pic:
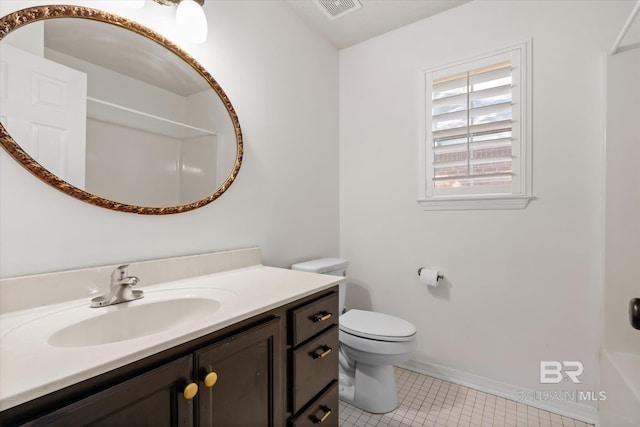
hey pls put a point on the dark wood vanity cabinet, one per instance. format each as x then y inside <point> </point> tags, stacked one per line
<point>233,382</point>
<point>313,363</point>
<point>264,371</point>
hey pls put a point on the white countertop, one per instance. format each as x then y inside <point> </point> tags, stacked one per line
<point>30,367</point>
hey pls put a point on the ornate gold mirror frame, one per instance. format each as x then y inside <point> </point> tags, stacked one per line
<point>20,18</point>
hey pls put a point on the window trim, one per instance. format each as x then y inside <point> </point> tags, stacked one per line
<point>522,192</point>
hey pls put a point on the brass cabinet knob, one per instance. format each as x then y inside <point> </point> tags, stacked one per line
<point>190,391</point>
<point>210,379</point>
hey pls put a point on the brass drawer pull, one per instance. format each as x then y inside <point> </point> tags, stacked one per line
<point>321,352</point>
<point>325,414</point>
<point>321,317</point>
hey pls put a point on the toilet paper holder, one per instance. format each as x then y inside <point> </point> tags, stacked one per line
<point>439,277</point>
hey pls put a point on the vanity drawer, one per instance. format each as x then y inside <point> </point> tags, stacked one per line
<point>323,411</point>
<point>313,318</point>
<point>314,365</point>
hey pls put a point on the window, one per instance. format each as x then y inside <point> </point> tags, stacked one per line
<point>476,152</point>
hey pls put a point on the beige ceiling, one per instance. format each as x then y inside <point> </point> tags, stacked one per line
<point>374,18</point>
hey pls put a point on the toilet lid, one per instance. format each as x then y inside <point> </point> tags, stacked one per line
<point>376,326</point>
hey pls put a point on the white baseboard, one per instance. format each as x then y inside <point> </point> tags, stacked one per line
<point>574,410</point>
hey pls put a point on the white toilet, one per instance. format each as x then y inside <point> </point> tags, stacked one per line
<point>370,344</point>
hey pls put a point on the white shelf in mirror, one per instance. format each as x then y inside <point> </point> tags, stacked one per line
<point>117,114</point>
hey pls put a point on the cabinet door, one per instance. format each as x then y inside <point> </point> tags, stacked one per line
<point>248,385</point>
<point>151,399</point>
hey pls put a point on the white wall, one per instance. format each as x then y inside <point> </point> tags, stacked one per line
<point>521,286</point>
<point>622,278</point>
<point>283,82</point>
<point>206,112</point>
<point>132,166</point>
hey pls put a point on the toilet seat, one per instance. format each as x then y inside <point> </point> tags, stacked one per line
<point>376,326</point>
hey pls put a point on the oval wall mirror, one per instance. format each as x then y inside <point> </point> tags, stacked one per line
<point>112,113</point>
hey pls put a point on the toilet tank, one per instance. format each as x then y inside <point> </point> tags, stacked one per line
<point>332,266</point>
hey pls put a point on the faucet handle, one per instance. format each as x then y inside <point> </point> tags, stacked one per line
<point>119,273</point>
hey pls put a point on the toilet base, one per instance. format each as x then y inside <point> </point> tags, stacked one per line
<point>373,389</point>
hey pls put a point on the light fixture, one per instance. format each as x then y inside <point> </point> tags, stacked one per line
<point>190,17</point>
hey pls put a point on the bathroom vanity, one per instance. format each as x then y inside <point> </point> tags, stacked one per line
<point>259,350</point>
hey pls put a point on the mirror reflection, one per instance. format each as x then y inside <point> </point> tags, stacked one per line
<point>115,113</point>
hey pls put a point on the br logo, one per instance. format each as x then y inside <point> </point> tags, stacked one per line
<point>551,371</point>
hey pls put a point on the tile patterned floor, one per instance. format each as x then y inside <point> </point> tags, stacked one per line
<point>428,401</point>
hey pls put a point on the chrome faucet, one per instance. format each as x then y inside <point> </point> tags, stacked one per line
<point>120,289</point>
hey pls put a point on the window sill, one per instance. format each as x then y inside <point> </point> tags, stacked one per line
<point>496,202</point>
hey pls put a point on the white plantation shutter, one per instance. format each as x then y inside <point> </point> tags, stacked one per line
<point>474,127</point>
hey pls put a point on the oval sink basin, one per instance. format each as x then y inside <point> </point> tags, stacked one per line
<point>129,322</point>
<point>161,313</point>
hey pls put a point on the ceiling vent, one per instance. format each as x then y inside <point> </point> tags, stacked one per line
<point>335,9</point>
